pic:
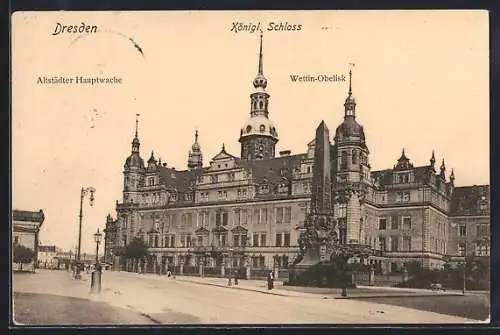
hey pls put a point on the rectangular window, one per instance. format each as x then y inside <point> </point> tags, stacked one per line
<point>462,230</point>
<point>278,239</point>
<point>243,216</point>
<point>279,215</point>
<point>406,243</point>
<point>382,223</point>
<point>461,249</point>
<point>224,219</point>
<point>406,196</point>
<point>237,220</point>
<point>263,215</point>
<point>287,240</point>
<point>258,262</point>
<point>394,222</point>
<point>255,240</point>
<point>395,243</point>
<point>482,250</point>
<point>382,244</point>
<point>263,240</point>
<point>288,215</point>
<point>256,215</point>
<point>236,240</point>
<point>407,222</point>
<point>244,240</point>
<point>483,230</point>
<point>200,241</point>
<point>188,240</point>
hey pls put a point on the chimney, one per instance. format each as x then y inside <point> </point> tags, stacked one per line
<point>285,153</point>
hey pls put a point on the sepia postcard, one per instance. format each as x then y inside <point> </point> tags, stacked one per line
<point>250,168</point>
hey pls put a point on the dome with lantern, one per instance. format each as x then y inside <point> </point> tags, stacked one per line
<point>259,125</point>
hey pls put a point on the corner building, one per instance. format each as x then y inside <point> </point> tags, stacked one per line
<point>248,211</point>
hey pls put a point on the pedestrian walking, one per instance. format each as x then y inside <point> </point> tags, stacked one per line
<point>272,280</point>
<point>169,273</point>
<point>236,277</point>
<point>269,283</point>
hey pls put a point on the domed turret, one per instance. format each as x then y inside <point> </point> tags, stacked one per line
<point>258,136</point>
<point>135,160</point>
<point>350,129</point>
<point>195,157</point>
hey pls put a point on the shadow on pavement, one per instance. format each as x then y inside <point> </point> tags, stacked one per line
<point>44,309</point>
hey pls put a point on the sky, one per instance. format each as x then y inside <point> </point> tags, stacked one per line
<point>420,81</point>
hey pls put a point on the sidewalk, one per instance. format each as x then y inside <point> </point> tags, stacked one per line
<point>314,292</point>
<point>245,285</point>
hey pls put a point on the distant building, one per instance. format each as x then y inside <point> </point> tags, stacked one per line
<point>25,230</point>
<point>249,210</point>
<point>47,256</point>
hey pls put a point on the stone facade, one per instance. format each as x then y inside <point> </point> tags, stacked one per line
<point>25,231</point>
<point>252,208</point>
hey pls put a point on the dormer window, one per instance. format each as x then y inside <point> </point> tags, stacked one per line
<point>262,128</point>
<point>483,204</point>
<point>263,189</point>
<point>249,128</point>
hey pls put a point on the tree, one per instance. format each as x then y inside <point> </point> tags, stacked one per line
<point>136,250</point>
<point>23,255</point>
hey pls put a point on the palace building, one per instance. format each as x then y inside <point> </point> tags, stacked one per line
<point>248,210</point>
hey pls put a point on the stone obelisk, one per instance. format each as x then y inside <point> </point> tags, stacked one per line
<point>319,235</point>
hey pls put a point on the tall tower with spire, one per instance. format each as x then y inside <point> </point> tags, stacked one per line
<point>195,157</point>
<point>134,169</point>
<point>352,172</point>
<point>258,136</point>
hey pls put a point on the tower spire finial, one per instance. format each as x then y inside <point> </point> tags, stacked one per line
<point>137,125</point>
<point>350,103</point>
<point>196,136</point>
<point>351,65</point>
<point>261,70</point>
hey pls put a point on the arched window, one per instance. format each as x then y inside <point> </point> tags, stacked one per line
<point>354,157</point>
<point>249,128</point>
<point>261,104</point>
<point>262,128</point>
<point>255,105</point>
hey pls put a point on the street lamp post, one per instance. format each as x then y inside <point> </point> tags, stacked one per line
<point>97,239</point>
<point>95,284</point>
<point>84,191</point>
<point>230,260</point>
<point>465,269</point>
<point>69,264</point>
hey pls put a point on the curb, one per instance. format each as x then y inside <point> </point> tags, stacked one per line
<point>233,287</point>
<point>401,296</point>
